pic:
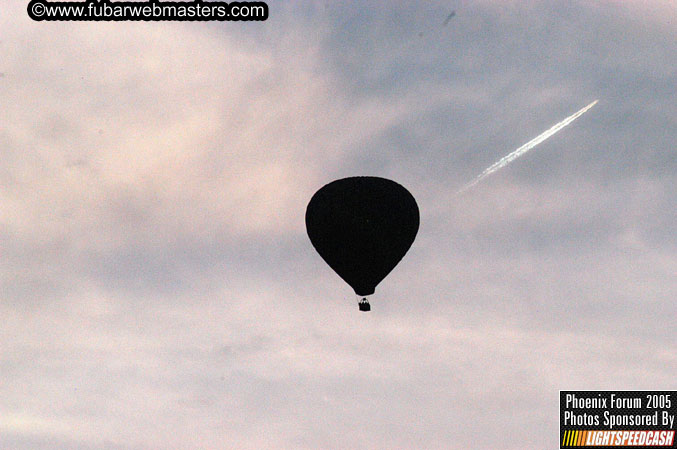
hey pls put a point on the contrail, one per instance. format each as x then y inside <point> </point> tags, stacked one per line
<point>525,148</point>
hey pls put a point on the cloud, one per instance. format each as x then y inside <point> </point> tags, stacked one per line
<point>158,289</point>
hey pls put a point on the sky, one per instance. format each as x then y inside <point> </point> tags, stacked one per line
<point>157,286</point>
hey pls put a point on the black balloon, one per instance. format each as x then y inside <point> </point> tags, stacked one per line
<point>362,227</point>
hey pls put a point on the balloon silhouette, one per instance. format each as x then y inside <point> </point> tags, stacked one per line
<point>362,227</point>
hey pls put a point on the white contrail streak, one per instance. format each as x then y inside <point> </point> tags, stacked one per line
<point>525,148</point>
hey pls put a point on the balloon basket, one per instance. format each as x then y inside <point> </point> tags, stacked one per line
<point>364,305</point>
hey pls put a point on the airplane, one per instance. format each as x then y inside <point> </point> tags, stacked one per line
<point>446,21</point>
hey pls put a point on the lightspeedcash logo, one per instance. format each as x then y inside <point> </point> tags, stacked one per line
<point>618,439</point>
<point>152,10</point>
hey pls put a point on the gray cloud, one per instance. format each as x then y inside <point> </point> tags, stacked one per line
<point>158,290</point>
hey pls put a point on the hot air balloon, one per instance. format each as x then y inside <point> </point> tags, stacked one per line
<point>362,227</point>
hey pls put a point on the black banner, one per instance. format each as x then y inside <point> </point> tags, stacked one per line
<point>617,419</point>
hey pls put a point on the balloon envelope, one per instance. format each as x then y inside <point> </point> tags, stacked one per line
<point>362,227</point>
